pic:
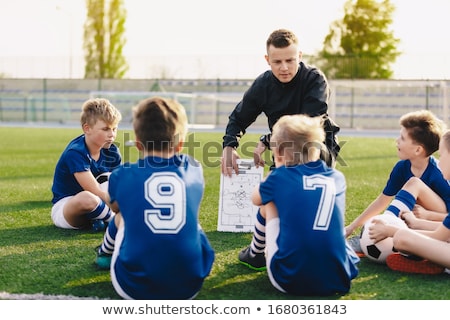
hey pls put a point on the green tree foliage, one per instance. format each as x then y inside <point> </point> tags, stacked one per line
<point>361,45</point>
<point>104,39</point>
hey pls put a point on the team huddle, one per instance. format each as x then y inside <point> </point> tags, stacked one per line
<point>153,244</point>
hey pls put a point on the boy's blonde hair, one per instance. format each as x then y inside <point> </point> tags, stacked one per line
<point>424,128</point>
<point>299,138</point>
<point>159,123</point>
<point>99,109</point>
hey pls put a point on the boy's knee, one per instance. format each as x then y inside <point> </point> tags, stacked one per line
<point>87,200</point>
<point>413,181</point>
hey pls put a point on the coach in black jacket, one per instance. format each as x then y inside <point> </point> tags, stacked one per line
<point>290,87</point>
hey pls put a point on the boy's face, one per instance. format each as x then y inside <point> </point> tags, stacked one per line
<point>283,62</point>
<point>101,134</point>
<point>407,148</point>
<point>444,160</point>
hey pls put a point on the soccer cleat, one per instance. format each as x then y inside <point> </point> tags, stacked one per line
<point>399,262</point>
<point>257,262</point>
<point>355,244</point>
<point>102,260</point>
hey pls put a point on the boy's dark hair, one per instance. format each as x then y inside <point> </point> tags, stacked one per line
<point>281,38</point>
<point>424,128</point>
<point>159,123</point>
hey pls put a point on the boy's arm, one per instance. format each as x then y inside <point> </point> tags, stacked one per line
<point>418,224</point>
<point>422,213</point>
<point>440,233</point>
<point>376,207</point>
<point>256,196</point>
<point>88,183</point>
<point>114,206</point>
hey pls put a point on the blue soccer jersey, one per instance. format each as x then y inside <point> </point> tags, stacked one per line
<point>432,177</point>
<point>313,257</point>
<point>164,253</point>
<point>446,221</point>
<point>76,158</point>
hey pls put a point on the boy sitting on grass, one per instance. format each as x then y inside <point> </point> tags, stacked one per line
<point>300,223</point>
<point>420,133</point>
<point>425,250</point>
<point>78,201</point>
<point>158,248</point>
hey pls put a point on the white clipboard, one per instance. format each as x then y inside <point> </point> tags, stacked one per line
<point>236,210</point>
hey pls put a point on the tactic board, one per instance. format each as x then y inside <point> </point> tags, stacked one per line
<point>236,210</point>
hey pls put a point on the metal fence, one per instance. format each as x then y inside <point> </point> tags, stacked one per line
<point>358,104</point>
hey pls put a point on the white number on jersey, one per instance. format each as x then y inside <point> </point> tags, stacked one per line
<point>166,194</point>
<point>327,188</point>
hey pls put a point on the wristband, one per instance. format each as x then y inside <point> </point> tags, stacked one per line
<point>264,140</point>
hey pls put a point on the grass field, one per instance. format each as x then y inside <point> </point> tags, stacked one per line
<point>36,257</point>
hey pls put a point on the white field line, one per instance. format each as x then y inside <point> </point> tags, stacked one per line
<point>40,296</point>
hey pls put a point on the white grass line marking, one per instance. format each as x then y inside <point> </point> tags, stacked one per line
<point>40,296</point>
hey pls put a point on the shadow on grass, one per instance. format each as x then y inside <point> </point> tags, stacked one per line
<point>232,279</point>
<point>57,271</point>
<point>26,176</point>
<point>43,233</point>
<point>48,260</point>
<point>375,281</point>
<point>224,241</point>
<point>11,208</point>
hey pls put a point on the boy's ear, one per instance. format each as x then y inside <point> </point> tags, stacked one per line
<point>85,127</point>
<point>419,149</point>
<point>179,146</point>
<point>139,145</point>
<point>277,155</point>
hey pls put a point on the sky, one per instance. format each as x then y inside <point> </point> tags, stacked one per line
<point>207,38</point>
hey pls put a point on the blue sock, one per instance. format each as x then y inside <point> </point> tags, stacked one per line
<point>109,239</point>
<point>101,212</point>
<point>258,244</point>
<point>403,201</point>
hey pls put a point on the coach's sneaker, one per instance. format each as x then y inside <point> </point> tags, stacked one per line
<point>102,260</point>
<point>256,262</point>
<point>400,262</point>
<point>355,244</point>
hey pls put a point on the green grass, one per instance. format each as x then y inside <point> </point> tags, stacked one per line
<point>36,257</point>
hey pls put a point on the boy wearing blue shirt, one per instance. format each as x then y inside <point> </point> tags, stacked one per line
<point>420,133</point>
<point>158,248</point>
<point>424,247</point>
<point>300,225</point>
<point>78,200</point>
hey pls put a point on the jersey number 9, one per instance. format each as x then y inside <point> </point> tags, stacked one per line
<point>166,194</point>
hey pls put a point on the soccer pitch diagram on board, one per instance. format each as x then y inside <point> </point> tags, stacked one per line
<point>236,210</point>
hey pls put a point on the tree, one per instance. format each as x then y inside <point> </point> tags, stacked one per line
<point>104,39</point>
<point>361,45</point>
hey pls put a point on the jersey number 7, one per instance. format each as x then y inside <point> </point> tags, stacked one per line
<point>327,188</point>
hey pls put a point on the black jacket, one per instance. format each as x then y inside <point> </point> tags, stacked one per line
<point>307,93</point>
